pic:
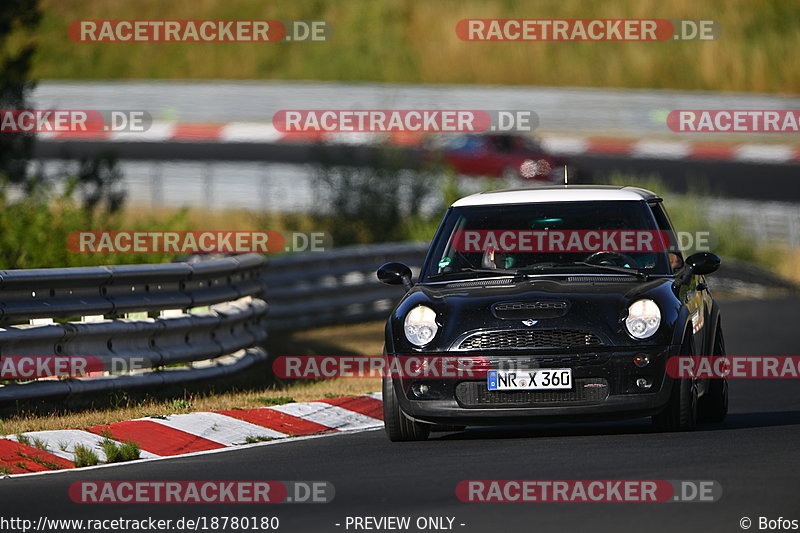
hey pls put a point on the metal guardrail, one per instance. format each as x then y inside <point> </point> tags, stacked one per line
<point>209,313</point>
<point>336,287</point>
<point>771,222</point>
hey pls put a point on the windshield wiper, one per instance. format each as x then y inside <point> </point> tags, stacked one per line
<point>470,270</point>
<point>612,268</point>
<point>503,271</point>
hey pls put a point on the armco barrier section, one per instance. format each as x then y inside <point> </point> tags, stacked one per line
<point>335,287</point>
<point>210,314</point>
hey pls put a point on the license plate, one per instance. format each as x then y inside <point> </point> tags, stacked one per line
<point>538,379</point>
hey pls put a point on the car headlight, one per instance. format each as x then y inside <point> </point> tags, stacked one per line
<point>420,325</point>
<point>643,320</point>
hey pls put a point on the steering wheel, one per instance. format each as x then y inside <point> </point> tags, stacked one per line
<point>612,258</point>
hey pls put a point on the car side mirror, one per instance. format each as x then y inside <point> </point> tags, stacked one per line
<point>702,263</point>
<point>395,274</point>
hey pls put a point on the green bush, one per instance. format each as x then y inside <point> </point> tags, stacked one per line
<point>35,225</point>
<point>372,204</point>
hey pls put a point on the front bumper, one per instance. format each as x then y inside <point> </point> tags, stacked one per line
<point>604,387</point>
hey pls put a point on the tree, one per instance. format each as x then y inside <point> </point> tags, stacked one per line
<point>18,19</point>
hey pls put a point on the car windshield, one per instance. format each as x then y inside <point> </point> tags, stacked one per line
<point>544,238</point>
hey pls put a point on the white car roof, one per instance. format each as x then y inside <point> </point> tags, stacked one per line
<point>557,193</point>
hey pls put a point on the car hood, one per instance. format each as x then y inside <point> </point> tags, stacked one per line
<point>591,304</point>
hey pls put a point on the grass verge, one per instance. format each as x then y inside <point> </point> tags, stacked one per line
<point>409,41</point>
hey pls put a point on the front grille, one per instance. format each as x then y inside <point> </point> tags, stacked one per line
<point>529,306</point>
<point>524,338</point>
<point>584,391</point>
<point>522,310</point>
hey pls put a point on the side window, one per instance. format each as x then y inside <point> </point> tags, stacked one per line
<point>664,224</point>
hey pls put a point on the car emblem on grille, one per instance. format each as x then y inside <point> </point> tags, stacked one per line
<point>529,322</point>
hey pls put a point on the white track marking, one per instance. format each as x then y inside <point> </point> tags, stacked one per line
<point>71,438</point>
<point>249,132</point>
<point>193,454</point>
<point>661,149</point>
<point>218,428</point>
<point>228,431</point>
<point>329,415</point>
<point>158,131</point>
<point>764,153</point>
<point>356,138</point>
<point>565,145</point>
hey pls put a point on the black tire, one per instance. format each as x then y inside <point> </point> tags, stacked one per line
<point>713,405</point>
<point>398,427</point>
<point>680,414</point>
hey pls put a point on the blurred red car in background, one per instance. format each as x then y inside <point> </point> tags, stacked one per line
<point>499,155</point>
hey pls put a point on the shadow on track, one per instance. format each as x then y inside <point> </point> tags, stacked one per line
<point>632,427</point>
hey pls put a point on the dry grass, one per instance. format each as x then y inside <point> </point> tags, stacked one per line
<point>201,219</point>
<point>789,265</point>
<point>415,42</point>
<point>363,339</point>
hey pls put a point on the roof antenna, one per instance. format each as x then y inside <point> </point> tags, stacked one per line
<point>566,176</point>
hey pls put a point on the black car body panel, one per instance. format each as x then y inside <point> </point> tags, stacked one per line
<point>590,311</point>
<point>570,320</point>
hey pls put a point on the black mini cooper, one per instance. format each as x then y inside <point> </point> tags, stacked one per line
<point>572,297</point>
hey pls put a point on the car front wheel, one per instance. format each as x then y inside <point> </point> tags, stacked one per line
<point>399,427</point>
<point>680,414</point>
<point>713,405</point>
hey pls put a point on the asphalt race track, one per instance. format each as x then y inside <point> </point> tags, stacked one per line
<point>754,455</point>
